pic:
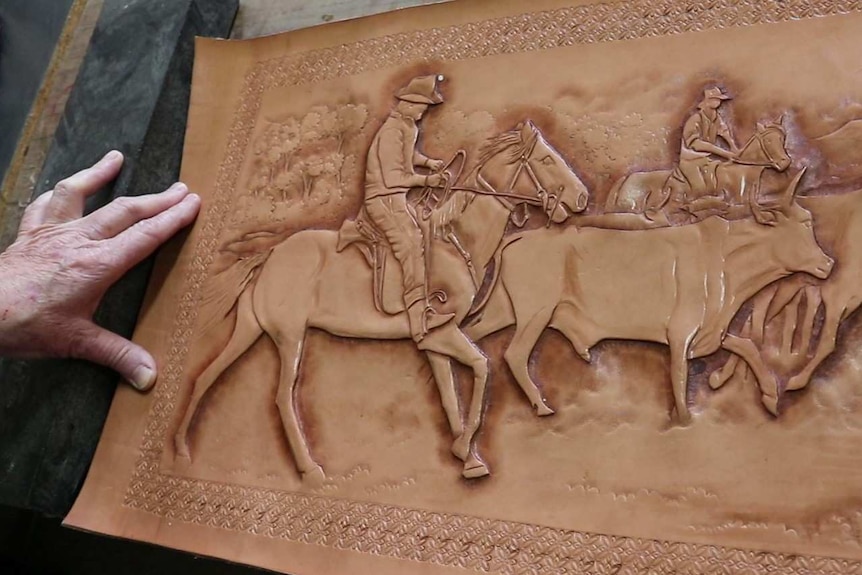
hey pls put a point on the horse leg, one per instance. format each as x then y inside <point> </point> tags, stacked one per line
<point>441,368</point>
<point>496,315</point>
<point>518,354</point>
<point>246,331</point>
<point>290,353</point>
<point>448,340</point>
<point>825,346</point>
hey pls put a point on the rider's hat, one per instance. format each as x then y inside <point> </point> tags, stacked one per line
<point>422,90</point>
<point>715,92</point>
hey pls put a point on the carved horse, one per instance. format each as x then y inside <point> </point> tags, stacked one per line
<point>306,283</point>
<point>662,197</point>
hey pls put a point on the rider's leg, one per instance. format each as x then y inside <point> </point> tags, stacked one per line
<point>392,216</point>
<point>692,170</point>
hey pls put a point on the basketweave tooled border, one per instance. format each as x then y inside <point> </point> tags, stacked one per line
<point>444,539</point>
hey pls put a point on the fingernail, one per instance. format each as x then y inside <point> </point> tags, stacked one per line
<point>113,155</point>
<point>143,378</point>
<point>179,187</point>
<point>192,198</point>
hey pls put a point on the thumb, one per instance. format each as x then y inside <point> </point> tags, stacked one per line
<point>128,359</point>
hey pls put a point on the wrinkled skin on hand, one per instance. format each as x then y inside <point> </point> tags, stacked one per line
<point>56,272</point>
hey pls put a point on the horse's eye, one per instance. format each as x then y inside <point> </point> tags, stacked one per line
<point>548,161</point>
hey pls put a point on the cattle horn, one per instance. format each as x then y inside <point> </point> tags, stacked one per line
<point>790,192</point>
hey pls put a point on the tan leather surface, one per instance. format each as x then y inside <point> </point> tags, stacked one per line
<point>646,377</point>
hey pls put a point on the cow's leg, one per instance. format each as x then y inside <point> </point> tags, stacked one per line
<point>721,376</point>
<point>441,368</point>
<point>679,379</point>
<point>246,331</point>
<point>518,353</point>
<point>290,353</point>
<point>450,341</point>
<point>746,349</point>
<point>812,304</point>
<point>790,321</point>
<point>825,346</point>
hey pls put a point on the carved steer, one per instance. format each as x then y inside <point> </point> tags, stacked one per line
<point>677,286</point>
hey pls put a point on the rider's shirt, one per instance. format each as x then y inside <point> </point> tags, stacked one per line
<point>700,127</point>
<point>392,157</point>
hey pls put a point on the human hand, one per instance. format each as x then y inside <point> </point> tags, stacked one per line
<point>436,165</point>
<point>436,180</point>
<point>56,272</point>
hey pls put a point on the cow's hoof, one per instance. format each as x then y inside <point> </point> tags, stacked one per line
<point>680,419</point>
<point>474,469</point>
<point>715,379</point>
<point>461,448</point>
<point>770,403</point>
<point>314,477</point>
<point>796,383</point>
<point>181,447</point>
<point>542,409</point>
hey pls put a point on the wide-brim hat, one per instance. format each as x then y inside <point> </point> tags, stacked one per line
<point>715,92</point>
<point>422,90</point>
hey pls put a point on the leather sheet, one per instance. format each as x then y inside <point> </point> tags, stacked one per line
<point>490,287</point>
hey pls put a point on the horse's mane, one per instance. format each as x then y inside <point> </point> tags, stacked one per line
<point>450,210</point>
<point>512,143</point>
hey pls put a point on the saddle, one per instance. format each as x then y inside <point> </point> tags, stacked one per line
<point>387,283</point>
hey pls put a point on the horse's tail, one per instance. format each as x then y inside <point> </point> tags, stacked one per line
<point>478,306</point>
<point>225,288</point>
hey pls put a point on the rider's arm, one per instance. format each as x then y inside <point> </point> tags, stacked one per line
<point>725,134</point>
<point>691,134</point>
<point>397,169</point>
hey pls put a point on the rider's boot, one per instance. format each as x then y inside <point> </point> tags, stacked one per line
<point>423,318</point>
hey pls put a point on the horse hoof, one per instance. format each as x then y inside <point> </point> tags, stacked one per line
<point>474,469</point>
<point>770,403</point>
<point>543,410</point>
<point>715,380</point>
<point>314,478</point>
<point>461,448</point>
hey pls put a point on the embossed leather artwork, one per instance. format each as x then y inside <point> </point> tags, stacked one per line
<point>479,290</point>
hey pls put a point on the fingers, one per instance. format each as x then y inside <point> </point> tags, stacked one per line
<point>34,215</point>
<point>67,200</point>
<point>137,242</point>
<point>124,212</point>
<point>128,359</point>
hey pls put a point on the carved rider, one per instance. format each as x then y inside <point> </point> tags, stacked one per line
<point>390,173</point>
<point>697,156</point>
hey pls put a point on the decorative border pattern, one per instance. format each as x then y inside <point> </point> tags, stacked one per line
<point>478,544</point>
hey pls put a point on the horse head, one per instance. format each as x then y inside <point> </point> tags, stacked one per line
<point>567,193</point>
<point>521,164</point>
<point>767,147</point>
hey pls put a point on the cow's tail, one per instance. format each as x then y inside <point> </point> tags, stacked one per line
<point>225,288</point>
<point>478,306</point>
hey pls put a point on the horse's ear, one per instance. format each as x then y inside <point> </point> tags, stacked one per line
<point>782,120</point>
<point>761,126</point>
<point>529,125</point>
<point>520,126</point>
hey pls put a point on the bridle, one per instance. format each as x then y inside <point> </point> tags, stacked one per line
<point>548,201</point>
<point>759,138</point>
